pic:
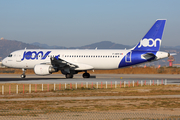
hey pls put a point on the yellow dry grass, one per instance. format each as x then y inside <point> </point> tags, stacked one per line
<point>35,108</point>
<point>134,70</point>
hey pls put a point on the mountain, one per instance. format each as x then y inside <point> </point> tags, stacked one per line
<point>105,45</point>
<point>99,45</point>
<point>47,46</point>
<point>8,46</point>
<point>111,45</point>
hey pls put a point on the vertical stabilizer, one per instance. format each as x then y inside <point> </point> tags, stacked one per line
<point>152,40</point>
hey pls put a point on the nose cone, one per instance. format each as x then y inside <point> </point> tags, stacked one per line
<point>4,61</point>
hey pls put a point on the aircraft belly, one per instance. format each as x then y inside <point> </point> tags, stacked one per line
<point>103,64</point>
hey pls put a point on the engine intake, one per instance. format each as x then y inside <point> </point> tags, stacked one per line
<point>44,69</point>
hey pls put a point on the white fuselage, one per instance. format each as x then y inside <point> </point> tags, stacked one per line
<point>98,59</point>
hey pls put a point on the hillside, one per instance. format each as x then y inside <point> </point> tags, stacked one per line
<point>8,46</point>
<point>99,45</point>
<point>105,45</point>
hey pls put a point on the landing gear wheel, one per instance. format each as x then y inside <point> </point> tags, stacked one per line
<point>86,75</point>
<point>69,76</point>
<point>23,76</point>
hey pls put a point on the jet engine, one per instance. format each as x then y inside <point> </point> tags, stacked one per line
<point>44,69</point>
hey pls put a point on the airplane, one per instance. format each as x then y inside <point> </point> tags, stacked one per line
<point>70,62</point>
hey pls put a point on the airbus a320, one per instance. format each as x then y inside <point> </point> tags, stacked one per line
<point>70,62</point>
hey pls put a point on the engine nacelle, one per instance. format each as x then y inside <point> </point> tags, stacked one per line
<point>44,69</point>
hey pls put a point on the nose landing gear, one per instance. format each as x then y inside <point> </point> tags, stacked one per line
<point>23,75</point>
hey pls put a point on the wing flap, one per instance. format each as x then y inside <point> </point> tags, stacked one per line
<point>63,63</point>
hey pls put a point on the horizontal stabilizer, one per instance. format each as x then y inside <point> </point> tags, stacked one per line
<point>148,56</point>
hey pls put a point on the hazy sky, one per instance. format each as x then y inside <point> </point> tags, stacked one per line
<point>74,23</point>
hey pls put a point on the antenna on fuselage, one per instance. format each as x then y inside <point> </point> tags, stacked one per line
<point>25,48</point>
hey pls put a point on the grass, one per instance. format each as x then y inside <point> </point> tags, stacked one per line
<point>130,70</point>
<point>44,107</point>
<point>34,108</point>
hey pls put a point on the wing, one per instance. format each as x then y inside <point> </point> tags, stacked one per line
<point>58,62</point>
<point>64,64</point>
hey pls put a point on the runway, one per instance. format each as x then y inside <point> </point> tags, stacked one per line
<point>59,78</point>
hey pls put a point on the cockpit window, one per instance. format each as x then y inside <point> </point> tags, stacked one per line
<point>10,55</point>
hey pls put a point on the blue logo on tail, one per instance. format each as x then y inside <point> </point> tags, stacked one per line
<point>149,43</point>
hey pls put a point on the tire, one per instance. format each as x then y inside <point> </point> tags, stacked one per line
<point>86,75</point>
<point>23,76</point>
<point>69,76</point>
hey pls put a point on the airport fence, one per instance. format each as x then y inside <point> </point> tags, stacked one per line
<point>33,88</point>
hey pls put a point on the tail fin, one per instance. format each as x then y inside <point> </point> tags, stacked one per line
<point>152,40</point>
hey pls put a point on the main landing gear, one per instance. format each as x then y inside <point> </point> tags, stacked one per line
<point>69,75</point>
<point>86,75</point>
<point>23,75</point>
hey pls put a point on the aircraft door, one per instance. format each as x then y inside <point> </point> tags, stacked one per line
<point>18,57</point>
<point>128,57</point>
